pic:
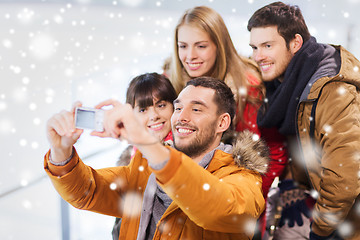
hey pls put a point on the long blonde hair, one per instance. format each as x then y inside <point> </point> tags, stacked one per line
<point>228,67</point>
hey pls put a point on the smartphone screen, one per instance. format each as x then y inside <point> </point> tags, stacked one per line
<point>85,119</point>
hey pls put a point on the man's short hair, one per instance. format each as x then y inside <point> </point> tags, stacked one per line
<point>288,20</point>
<point>223,98</point>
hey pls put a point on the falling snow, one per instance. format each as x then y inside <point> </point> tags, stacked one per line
<point>327,128</point>
<point>314,194</point>
<point>206,187</point>
<point>255,137</point>
<point>341,91</point>
<point>54,54</point>
<point>132,204</point>
<point>243,91</point>
<point>345,229</point>
<point>113,186</point>
<point>250,226</point>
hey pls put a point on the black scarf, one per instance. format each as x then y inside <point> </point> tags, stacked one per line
<point>283,97</point>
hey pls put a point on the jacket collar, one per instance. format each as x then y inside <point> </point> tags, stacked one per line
<point>346,69</point>
<point>328,67</point>
<point>249,151</point>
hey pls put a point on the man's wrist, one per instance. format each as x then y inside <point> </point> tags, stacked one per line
<point>145,139</point>
<point>155,153</point>
<point>61,158</point>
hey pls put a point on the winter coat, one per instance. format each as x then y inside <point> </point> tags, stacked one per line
<point>332,159</point>
<point>219,202</point>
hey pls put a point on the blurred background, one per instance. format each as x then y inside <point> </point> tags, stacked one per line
<point>54,52</point>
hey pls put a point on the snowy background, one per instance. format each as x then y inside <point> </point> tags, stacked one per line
<point>55,52</point>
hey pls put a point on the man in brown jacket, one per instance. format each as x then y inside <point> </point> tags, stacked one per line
<point>212,192</point>
<point>313,98</point>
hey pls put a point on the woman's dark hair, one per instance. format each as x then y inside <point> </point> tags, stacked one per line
<point>146,87</point>
<point>288,20</point>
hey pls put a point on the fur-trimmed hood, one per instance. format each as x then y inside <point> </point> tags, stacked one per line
<point>251,152</point>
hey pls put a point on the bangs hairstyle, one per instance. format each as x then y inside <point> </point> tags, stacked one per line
<point>146,87</point>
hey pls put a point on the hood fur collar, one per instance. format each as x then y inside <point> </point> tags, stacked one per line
<point>251,152</point>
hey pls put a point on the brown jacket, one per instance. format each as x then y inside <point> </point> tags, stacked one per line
<point>332,160</point>
<point>219,202</point>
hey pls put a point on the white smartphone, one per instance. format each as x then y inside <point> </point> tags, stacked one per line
<point>89,118</point>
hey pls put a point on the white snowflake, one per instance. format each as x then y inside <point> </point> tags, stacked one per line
<point>25,80</point>
<point>113,186</point>
<point>27,204</point>
<point>7,43</point>
<point>243,91</point>
<point>37,121</point>
<point>132,204</point>
<point>49,100</point>
<point>23,142</point>
<point>26,15</point>
<point>206,187</point>
<point>34,145</point>
<point>58,19</point>
<point>341,90</point>
<point>32,106</point>
<point>15,69</point>
<point>255,137</point>
<point>327,128</point>
<point>24,182</point>
<point>307,152</point>
<point>345,229</point>
<point>332,33</point>
<point>250,226</point>
<point>69,72</point>
<point>42,46</point>
<point>314,194</point>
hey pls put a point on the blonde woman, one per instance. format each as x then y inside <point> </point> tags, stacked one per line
<point>203,47</point>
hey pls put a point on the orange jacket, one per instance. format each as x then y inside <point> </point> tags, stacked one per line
<point>220,202</point>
